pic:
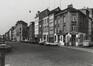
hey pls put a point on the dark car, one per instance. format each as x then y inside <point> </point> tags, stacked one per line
<point>42,43</point>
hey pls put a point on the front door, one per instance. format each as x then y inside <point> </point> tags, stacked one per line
<point>61,40</point>
<point>73,40</point>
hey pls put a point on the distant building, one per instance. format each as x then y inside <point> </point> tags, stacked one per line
<point>6,36</point>
<point>11,33</point>
<point>20,31</point>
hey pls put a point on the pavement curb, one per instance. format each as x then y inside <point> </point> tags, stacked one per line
<point>79,48</point>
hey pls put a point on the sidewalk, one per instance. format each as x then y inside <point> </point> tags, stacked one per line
<point>80,48</point>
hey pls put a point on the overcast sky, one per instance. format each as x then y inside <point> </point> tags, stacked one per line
<point>13,10</point>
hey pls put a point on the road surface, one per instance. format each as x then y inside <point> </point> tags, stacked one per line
<point>24,54</point>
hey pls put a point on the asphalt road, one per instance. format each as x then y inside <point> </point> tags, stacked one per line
<point>35,55</point>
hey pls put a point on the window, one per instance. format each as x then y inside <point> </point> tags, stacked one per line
<point>50,20</point>
<point>55,30</point>
<point>39,25</point>
<point>59,21</point>
<point>73,23</point>
<point>73,18</point>
<point>20,29</point>
<point>45,21</point>
<point>64,24</point>
<point>51,28</point>
<point>74,28</point>
<point>61,38</point>
<point>51,32</point>
<point>55,22</point>
<point>44,37</point>
<point>55,38</point>
<point>58,30</point>
<point>51,24</point>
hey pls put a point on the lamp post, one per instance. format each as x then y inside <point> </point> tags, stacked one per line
<point>3,49</point>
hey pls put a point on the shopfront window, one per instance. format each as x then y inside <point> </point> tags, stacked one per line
<point>55,38</point>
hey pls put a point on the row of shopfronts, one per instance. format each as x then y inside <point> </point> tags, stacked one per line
<point>67,39</point>
<point>68,27</point>
<point>70,39</point>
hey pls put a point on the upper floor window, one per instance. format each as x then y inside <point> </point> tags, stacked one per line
<point>50,28</point>
<point>51,31</point>
<point>39,25</point>
<point>45,21</point>
<point>56,22</point>
<point>51,24</point>
<point>73,23</point>
<point>20,29</point>
<point>74,28</point>
<point>64,24</point>
<point>74,17</point>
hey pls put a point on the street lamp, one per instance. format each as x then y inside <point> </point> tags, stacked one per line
<point>3,49</point>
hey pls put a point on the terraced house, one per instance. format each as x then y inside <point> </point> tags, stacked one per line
<point>20,31</point>
<point>31,32</point>
<point>52,23</point>
<point>45,25</point>
<point>72,26</point>
<point>42,25</point>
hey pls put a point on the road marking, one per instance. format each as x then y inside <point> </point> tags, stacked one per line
<point>7,64</point>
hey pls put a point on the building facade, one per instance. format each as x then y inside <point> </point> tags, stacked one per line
<point>37,28</point>
<point>20,31</point>
<point>43,24</point>
<point>72,23</point>
<point>31,33</point>
<point>52,23</point>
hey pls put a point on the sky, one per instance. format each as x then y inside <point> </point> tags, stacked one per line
<point>13,10</point>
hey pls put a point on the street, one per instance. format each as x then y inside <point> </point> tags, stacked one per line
<point>24,54</point>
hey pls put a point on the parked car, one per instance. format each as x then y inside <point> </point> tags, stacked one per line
<point>42,42</point>
<point>87,43</point>
<point>51,44</point>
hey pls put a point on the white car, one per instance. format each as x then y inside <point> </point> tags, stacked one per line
<point>52,44</point>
